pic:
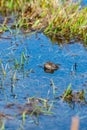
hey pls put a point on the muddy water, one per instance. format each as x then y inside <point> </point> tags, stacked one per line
<point>18,84</point>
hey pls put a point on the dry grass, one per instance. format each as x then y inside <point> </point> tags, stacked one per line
<point>54,18</point>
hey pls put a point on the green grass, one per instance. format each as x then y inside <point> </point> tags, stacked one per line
<point>59,20</point>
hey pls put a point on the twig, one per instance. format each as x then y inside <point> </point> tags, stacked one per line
<point>75,123</point>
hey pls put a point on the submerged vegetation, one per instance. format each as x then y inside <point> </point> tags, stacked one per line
<point>59,19</point>
<point>73,97</point>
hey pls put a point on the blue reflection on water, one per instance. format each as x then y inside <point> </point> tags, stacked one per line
<point>40,50</point>
<point>84,2</point>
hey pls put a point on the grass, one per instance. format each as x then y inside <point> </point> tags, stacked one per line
<point>61,19</point>
<point>72,97</point>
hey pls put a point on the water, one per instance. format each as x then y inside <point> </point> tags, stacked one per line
<point>84,2</point>
<point>38,50</point>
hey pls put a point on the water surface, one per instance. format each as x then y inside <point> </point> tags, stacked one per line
<point>34,81</point>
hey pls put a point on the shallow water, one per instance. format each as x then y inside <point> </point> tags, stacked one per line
<point>84,2</point>
<point>32,80</point>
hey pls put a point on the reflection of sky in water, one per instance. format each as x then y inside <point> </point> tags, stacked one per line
<point>84,2</point>
<point>40,49</point>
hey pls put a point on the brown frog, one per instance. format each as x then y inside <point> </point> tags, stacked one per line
<point>50,67</point>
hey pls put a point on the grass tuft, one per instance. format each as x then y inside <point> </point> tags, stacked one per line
<point>59,18</point>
